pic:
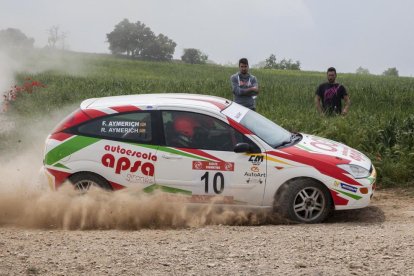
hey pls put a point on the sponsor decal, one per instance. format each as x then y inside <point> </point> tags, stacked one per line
<point>123,127</point>
<point>254,174</point>
<point>253,180</point>
<point>138,154</point>
<point>330,146</point>
<point>141,179</point>
<point>213,166</point>
<point>124,164</point>
<point>349,187</point>
<point>123,124</point>
<point>255,169</point>
<point>256,159</point>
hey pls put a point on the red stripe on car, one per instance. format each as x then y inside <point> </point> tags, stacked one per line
<point>93,113</point>
<point>238,126</point>
<point>200,153</point>
<point>220,105</point>
<point>75,118</point>
<point>60,177</point>
<point>116,186</point>
<point>318,161</point>
<point>337,199</point>
<point>125,108</point>
<point>60,136</point>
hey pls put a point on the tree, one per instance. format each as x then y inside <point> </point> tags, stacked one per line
<point>137,40</point>
<point>284,64</point>
<point>11,39</point>
<point>270,62</point>
<point>161,48</point>
<point>393,72</point>
<point>129,38</point>
<point>56,36</point>
<point>362,71</point>
<point>194,56</point>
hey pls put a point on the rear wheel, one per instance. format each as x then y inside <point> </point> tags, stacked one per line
<point>305,201</point>
<point>84,181</point>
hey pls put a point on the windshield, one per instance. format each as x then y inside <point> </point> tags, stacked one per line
<point>265,129</point>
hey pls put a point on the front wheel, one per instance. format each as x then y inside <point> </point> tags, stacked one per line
<point>84,181</point>
<point>305,201</point>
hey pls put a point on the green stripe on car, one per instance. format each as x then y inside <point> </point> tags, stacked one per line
<point>69,147</point>
<point>356,197</point>
<point>166,189</point>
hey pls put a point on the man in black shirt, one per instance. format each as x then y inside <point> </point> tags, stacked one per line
<point>329,95</point>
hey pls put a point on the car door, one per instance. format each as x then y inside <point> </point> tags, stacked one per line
<point>198,160</point>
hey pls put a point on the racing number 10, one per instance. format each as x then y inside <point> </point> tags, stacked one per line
<point>218,180</point>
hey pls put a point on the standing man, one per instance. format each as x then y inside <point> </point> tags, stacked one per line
<point>245,87</point>
<point>329,95</point>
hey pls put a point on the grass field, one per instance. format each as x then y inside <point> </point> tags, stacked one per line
<point>380,122</point>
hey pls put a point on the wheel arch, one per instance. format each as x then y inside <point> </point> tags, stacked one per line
<point>94,174</point>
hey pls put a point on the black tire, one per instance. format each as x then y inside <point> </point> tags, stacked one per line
<point>84,181</point>
<point>305,201</point>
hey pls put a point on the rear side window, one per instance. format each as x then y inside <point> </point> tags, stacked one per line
<point>136,127</point>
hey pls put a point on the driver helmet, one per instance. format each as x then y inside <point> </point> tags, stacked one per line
<point>185,125</point>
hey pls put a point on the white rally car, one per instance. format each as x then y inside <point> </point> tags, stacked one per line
<point>203,148</point>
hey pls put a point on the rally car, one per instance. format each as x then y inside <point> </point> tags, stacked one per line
<point>206,149</point>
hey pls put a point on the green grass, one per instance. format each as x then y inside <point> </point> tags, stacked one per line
<point>380,122</point>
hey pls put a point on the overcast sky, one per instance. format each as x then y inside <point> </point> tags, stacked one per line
<point>374,34</point>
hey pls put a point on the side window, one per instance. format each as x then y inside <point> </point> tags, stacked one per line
<point>193,130</point>
<point>134,127</point>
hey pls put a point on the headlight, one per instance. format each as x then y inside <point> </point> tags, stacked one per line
<point>355,170</point>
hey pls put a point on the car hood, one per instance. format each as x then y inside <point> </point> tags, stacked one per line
<point>319,146</point>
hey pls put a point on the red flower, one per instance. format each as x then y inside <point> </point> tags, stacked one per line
<point>11,95</point>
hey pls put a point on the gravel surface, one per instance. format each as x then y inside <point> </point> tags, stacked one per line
<point>378,240</point>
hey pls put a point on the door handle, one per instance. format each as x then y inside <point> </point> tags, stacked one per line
<point>171,156</point>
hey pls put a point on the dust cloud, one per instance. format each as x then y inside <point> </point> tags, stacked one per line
<point>127,209</point>
<point>28,203</point>
<point>34,61</point>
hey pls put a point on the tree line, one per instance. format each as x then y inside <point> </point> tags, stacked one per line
<point>136,40</point>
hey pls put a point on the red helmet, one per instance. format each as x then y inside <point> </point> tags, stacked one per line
<point>185,125</point>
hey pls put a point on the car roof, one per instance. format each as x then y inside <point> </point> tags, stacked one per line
<point>155,101</point>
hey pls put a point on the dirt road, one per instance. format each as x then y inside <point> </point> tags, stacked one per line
<point>378,240</point>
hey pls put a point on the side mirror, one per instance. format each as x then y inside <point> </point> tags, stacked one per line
<point>242,147</point>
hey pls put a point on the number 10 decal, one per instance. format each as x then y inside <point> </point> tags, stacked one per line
<point>218,180</point>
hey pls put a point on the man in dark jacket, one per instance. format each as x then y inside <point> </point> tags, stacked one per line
<point>244,86</point>
<point>329,96</point>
